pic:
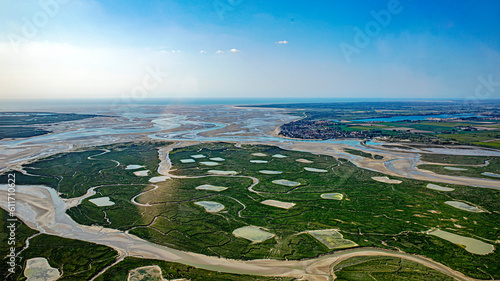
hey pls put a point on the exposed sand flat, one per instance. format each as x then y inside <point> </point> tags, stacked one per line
<point>269,172</point>
<point>259,154</point>
<point>490,174</point>
<point>211,187</point>
<point>279,156</point>
<point>334,196</point>
<point>259,161</point>
<point>286,182</point>
<point>198,156</point>
<point>301,160</point>
<point>455,169</point>
<point>150,273</point>
<point>400,164</point>
<point>209,163</point>
<point>210,206</point>
<point>159,179</point>
<point>252,233</point>
<point>386,180</point>
<point>39,269</point>
<point>102,201</point>
<point>143,173</point>
<point>218,159</point>
<point>464,206</point>
<point>315,170</point>
<point>219,172</point>
<point>440,188</point>
<point>279,204</point>
<point>133,167</point>
<point>187,161</point>
<point>472,245</point>
<point>41,208</point>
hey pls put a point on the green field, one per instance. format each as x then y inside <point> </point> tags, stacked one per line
<point>371,214</point>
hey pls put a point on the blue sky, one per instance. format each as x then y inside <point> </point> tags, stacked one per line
<point>242,48</point>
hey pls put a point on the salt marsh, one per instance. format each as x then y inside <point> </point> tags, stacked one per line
<point>286,182</point>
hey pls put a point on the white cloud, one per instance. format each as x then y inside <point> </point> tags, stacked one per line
<point>218,52</point>
<point>234,50</point>
<point>282,42</point>
<point>203,52</point>
<point>176,51</point>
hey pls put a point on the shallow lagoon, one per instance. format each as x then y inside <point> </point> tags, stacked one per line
<point>219,172</point>
<point>471,245</point>
<point>332,239</point>
<point>490,175</point>
<point>386,180</point>
<point>210,206</point>
<point>259,161</point>
<point>315,170</point>
<point>198,156</point>
<point>39,269</point>
<point>286,182</point>
<point>278,204</point>
<point>440,188</point>
<point>269,172</point>
<point>279,156</point>
<point>218,159</point>
<point>143,173</point>
<point>158,179</point>
<point>252,233</point>
<point>211,187</point>
<point>335,196</point>
<point>209,163</point>
<point>133,167</point>
<point>455,169</point>
<point>187,160</point>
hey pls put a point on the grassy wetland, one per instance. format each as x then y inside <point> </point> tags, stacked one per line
<point>369,213</point>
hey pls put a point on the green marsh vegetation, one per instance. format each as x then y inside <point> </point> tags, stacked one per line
<point>474,165</point>
<point>385,268</point>
<point>76,260</point>
<point>371,213</point>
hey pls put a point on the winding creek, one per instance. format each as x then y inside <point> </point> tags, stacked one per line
<point>41,208</point>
